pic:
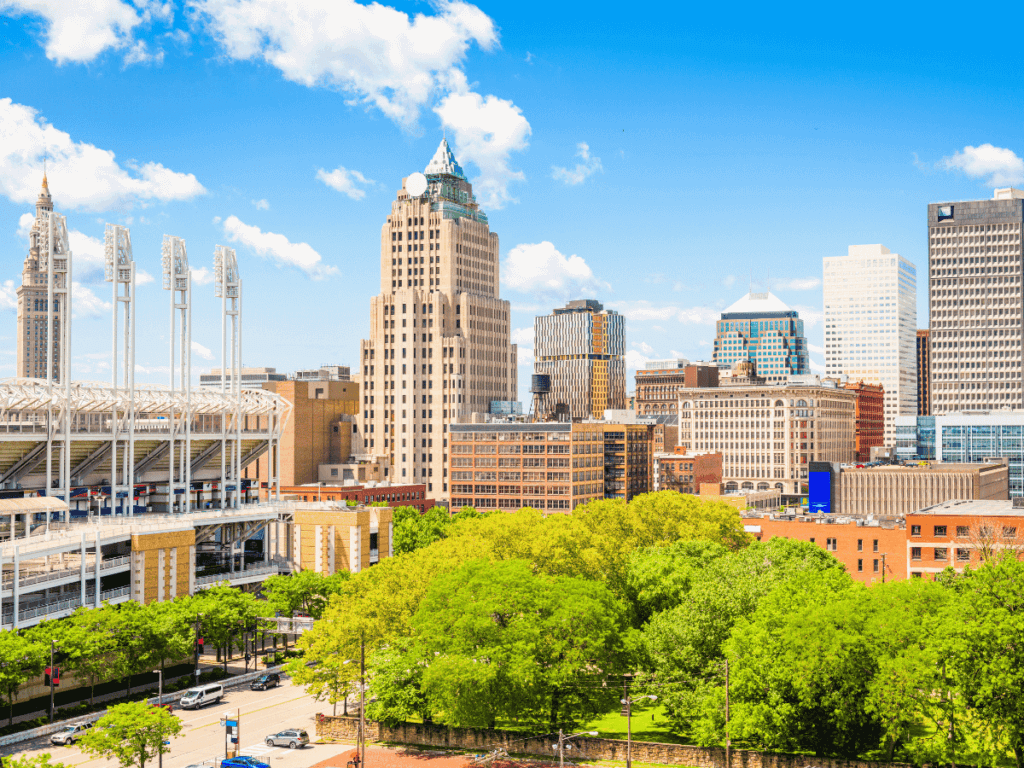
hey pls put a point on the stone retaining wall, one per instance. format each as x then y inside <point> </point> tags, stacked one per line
<point>483,740</point>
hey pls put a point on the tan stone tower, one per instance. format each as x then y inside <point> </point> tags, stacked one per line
<point>439,333</point>
<point>32,309</point>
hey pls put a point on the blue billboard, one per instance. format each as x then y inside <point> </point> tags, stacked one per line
<point>820,492</point>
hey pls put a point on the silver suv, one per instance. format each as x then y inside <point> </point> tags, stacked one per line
<point>292,738</point>
<point>69,734</point>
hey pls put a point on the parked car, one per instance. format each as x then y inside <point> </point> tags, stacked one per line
<point>242,762</point>
<point>169,706</point>
<point>292,738</point>
<point>69,734</point>
<point>263,682</point>
<point>201,696</point>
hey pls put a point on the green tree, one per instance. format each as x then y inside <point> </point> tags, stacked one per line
<point>988,655</point>
<point>334,646</point>
<point>225,613</point>
<point>32,761</point>
<point>88,638</point>
<point>498,641</point>
<point>132,734</point>
<point>21,659</point>
<point>303,592</point>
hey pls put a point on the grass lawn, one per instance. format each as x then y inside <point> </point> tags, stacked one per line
<point>649,724</point>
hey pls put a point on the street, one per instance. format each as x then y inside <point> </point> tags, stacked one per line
<point>202,738</point>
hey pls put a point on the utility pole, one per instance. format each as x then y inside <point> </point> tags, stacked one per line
<point>160,703</point>
<point>628,701</point>
<point>52,670</point>
<point>561,751</point>
<point>728,750</point>
<point>197,648</point>
<point>362,700</point>
<point>883,567</point>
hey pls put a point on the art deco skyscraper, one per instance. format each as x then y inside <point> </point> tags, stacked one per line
<point>975,262</point>
<point>439,346</point>
<point>871,325</point>
<point>582,347</point>
<point>761,329</point>
<point>33,313</point>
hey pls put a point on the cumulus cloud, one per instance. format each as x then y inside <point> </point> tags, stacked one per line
<point>25,222</point>
<point>999,166</point>
<point>816,349</point>
<point>77,31</point>
<point>797,284</point>
<point>201,275</point>
<point>201,351</point>
<point>82,176</point>
<point>8,295</point>
<point>486,130</point>
<point>522,336</point>
<point>345,181</point>
<point>376,54</point>
<point>85,303</point>
<point>579,174</point>
<point>89,255</point>
<point>810,315</point>
<point>635,360</point>
<point>278,248</point>
<point>139,53</point>
<point>644,347</point>
<point>261,205</point>
<point>540,268</point>
<point>142,277</point>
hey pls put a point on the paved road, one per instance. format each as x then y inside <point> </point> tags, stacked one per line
<point>202,738</point>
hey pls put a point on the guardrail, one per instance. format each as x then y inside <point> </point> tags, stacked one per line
<point>57,606</point>
<point>46,730</point>
<point>64,573</point>
<point>219,577</point>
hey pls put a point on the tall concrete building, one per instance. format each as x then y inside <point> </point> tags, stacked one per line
<point>439,346</point>
<point>924,372</point>
<point>33,314</point>
<point>871,325</point>
<point>975,262</point>
<point>761,329</point>
<point>582,347</point>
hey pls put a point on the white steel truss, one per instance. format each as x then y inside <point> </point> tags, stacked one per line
<point>178,280</point>
<point>120,270</point>
<point>229,288</point>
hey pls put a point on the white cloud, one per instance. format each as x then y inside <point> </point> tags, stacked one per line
<point>78,31</point>
<point>999,166</point>
<point>376,54</point>
<point>486,130</point>
<point>522,336</point>
<point>644,311</point>
<point>278,248</point>
<point>139,54</point>
<point>81,175</point>
<point>25,222</point>
<point>261,205</point>
<point>810,315</point>
<point>540,268</point>
<point>729,281</point>
<point>201,275</point>
<point>345,181</point>
<point>817,367</point>
<point>579,174</point>
<point>8,295</point>
<point>635,360</point>
<point>142,277</point>
<point>644,347</point>
<point>524,356</point>
<point>203,352</point>
<point>89,255</point>
<point>85,303</point>
<point>816,349</point>
<point>797,284</point>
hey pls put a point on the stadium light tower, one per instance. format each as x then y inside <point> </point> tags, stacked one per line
<point>229,289</point>
<point>57,253</point>
<point>119,269</point>
<point>178,280</point>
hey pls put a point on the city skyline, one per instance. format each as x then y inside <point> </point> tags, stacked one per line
<point>569,189</point>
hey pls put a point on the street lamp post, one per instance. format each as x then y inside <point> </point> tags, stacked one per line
<point>160,703</point>
<point>629,701</point>
<point>561,746</point>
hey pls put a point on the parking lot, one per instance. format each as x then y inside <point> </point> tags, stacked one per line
<point>202,738</point>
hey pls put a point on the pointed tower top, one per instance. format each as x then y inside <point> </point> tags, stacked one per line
<point>444,162</point>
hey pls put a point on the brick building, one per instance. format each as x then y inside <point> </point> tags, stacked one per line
<point>395,495</point>
<point>553,467</point>
<point>869,417</point>
<point>659,384</point>
<point>686,472</point>
<point>961,533</point>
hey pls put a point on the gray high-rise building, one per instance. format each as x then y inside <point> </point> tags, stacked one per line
<point>582,347</point>
<point>33,313</point>
<point>975,263</point>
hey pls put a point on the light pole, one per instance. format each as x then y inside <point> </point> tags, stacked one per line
<point>629,701</point>
<point>160,703</point>
<point>561,746</point>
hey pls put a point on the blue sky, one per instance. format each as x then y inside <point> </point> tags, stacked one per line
<point>652,159</point>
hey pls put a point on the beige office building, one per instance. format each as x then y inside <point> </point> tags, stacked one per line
<point>439,346</point>
<point>768,434</point>
<point>33,313</point>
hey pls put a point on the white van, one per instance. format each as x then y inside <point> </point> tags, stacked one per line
<point>201,696</point>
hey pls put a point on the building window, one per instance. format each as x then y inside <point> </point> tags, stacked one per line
<point>860,566</point>
<point>860,545</point>
<point>962,531</point>
<point>915,553</point>
<point>939,530</point>
<point>1009,532</point>
<point>875,545</point>
<point>876,565</point>
<point>915,530</point>
<point>941,553</point>
<point>963,555</point>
